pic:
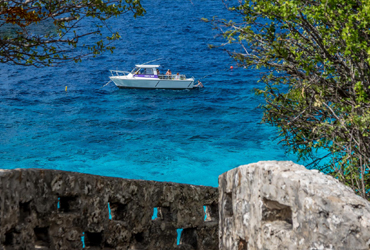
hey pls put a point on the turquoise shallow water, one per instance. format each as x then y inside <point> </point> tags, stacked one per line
<point>187,136</point>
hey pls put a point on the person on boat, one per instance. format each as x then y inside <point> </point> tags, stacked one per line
<point>158,73</point>
<point>177,76</point>
<point>168,73</point>
<point>200,85</point>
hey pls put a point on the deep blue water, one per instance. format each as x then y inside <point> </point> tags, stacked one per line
<point>187,136</point>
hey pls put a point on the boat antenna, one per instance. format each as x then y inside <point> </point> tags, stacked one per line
<point>152,61</point>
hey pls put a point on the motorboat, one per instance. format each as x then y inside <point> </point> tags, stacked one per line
<point>148,77</point>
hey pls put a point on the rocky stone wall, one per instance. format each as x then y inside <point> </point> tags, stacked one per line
<point>282,205</point>
<point>49,209</point>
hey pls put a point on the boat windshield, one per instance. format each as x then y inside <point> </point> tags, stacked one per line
<point>142,71</point>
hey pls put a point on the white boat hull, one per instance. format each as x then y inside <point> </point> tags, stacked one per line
<point>154,83</point>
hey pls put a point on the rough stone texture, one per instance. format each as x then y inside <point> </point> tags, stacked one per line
<point>50,209</point>
<point>282,205</point>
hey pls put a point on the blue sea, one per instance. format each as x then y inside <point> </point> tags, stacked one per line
<point>186,136</point>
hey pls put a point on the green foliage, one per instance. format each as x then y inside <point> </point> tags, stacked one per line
<point>25,45</point>
<point>316,55</point>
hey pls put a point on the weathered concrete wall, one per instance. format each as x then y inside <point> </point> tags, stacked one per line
<point>282,205</point>
<point>49,209</point>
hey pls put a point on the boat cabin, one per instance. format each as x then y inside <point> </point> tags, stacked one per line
<point>147,71</point>
<point>151,71</point>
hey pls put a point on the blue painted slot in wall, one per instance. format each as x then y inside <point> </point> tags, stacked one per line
<point>83,239</point>
<point>205,212</point>
<point>179,231</point>
<point>58,203</point>
<point>110,214</point>
<point>155,213</point>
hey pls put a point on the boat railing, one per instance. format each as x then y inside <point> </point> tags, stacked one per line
<point>119,73</point>
<point>172,77</point>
